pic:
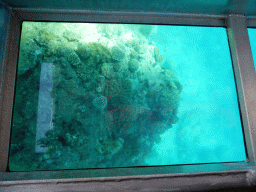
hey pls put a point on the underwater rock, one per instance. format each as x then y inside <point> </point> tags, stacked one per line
<point>117,53</point>
<point>100,102</point>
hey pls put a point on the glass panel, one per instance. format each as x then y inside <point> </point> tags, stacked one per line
<point>252,37</point>
<point>114,95</point>
<point>3,15</point>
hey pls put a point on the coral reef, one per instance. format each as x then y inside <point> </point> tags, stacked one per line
<point>83,51</point>
<point>112,88</point>
<point>100,102</point>
<point>109,147</point>
<point>112,99</point>
<point>158,57</point>
<point>74,59</point>
<point>107,70</point>
<point>117,53</point>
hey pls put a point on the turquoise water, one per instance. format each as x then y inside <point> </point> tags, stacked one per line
<point>252,37</point>
<point>209,127</point>
<point>110,95</point>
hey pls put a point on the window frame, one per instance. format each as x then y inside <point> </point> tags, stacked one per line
<point>171,177</point>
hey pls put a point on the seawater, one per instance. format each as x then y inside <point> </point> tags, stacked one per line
<point>209,128</point>
<point>252,37</point>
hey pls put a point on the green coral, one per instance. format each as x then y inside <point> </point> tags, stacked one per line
<point>73,59</point>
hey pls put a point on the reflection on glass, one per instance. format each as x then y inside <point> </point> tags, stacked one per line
<point>112,95</point>
<point>45,104</point>
<point>252,37</point>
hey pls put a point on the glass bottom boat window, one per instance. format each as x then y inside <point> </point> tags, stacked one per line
<point>252,37</point>
<point>122,95</point>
